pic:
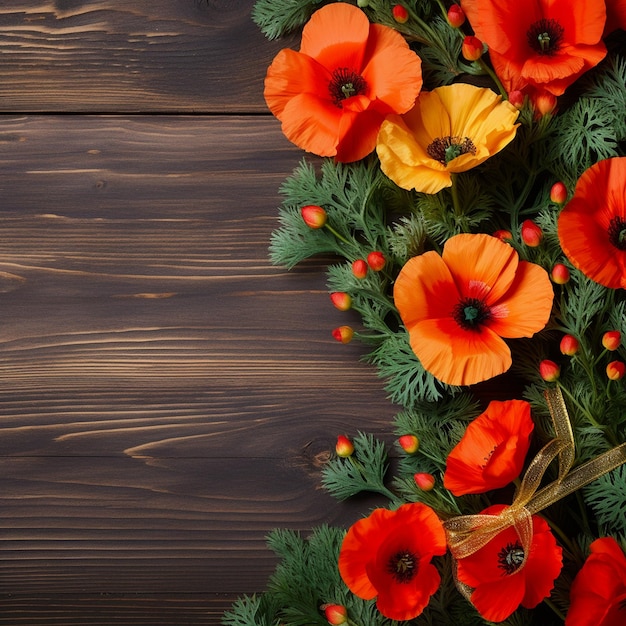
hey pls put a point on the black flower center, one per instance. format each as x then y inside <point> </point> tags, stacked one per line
<point>403,566</point>
<point>545,36</point>
<point>344,84</point>
<point>617,232</point>
<point>445,149</point>
<point>511,557</point>
<point>471,313</point>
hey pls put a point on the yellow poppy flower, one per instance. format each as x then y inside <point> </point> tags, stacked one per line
<point>450,129</point>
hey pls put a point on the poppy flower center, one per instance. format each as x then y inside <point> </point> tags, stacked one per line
<point>471,313</point>
<point>545,36</point>
<point>445,149</point>
<point>344,84</point>
<point>511,557</point>
<point>617,232</point>
<point>403,566</point>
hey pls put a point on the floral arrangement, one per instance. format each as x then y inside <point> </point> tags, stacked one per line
<point>469,178</point>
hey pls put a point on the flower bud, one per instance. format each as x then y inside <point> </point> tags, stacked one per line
<point>569,345</point>
<point>400,14</point>
<point>517,98</point>
<point>472,48</point>
<point>409,443</point>
<point>559,274</point>
<point>313,216</point>
<point>424,481</point>
<point>344,447</point>
<point>362,3</point>
<point>359,268</point>
<point>549,370</point>
<point>532,235</point>
<point>343,334</point>
<point>341,300</point>
<point>336,614</point>
<point>456,16</point>
<point>558,193</point>
<point>376,260</point>
<point>503,235</point>
<point>544,104</point>
<point>615,370</point>
<point>612,339</point>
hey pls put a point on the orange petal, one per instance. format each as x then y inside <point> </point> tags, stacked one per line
<point>357,135</point>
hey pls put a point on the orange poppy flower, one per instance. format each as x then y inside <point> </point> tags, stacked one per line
<point>450,129</point>
<point>457,307</point>
<point>387,556</point>
<point>592,226</point>
<point>495,574</point>
<point>333,94</point>
<point>546,44</point>
<point>598,593</point>
<point>491,453</point>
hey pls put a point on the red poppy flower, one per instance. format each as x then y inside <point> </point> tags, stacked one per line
<point>457,307</point>
<point>598,593</point>
<point>592,226</point>
<point>499,581</point>
<point>387,556</point>
<point>543,44</point>
<point>491,453</point>
<point>333,94</point>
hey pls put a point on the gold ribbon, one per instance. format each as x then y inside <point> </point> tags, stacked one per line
<point>467,534</point>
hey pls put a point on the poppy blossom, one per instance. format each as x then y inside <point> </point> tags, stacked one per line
<point>598,593</point>
<point>544,45</point>
<point>450,129</point>
<point>333,94</point>
<point>500,579</point>
<point>387,556</point>
<point>492,450</point>
<point>592,226</point>
<point>457,307</point>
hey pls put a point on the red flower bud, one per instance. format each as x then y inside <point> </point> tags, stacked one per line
<point>359,268</point>
<point>503,235</point>
<point>612,339</point>
<point>344,447</point>
<point>569,345</point>
<point>336,614</point>
<point>456,16</point>
<point>424,481</point>
<point>341,300</point>
<point>313,216</point>
<point>549,370</point>
<point>615,370</point>
<point>517,98</point>
<point>532,235</point>
<point>343,334</point>
<point>400,14</point>
<point>409,443</point>
<point>472,48</point>
<point>558,193</point>
<point>559,274</point>
<point>376,260</point>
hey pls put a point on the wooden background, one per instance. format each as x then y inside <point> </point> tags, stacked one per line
<point>167,396</point>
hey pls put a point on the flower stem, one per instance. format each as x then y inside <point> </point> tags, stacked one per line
<point>494,78</point>
<point>338,235</point>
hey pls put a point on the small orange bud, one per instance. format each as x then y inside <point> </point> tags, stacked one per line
<point>341,300</point>
<point>517,98</point>
<point>400,14</point>
<point>559,274</point>
<point>376,260</point>
<point>343,334</point>
<point>344,447</point>
<point>612,339</point>
<point>549,370</point>
<point>503,235</point>
<point>615,370</point>
<point>472,48</point>
<point>313,216</point>
<point>558,193</point>
<point>456,16</point>
<point>336,614</point>
<point>409,443</point>
<point>425,482</point>
<point>569,345</point>
<point>532,235</point>
<point>544,104</point>
<point>359,268</point>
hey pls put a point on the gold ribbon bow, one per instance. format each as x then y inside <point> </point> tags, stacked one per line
<point>467,534</point>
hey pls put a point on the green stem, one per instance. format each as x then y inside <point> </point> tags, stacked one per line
<point>554,608</point>
<point>338,235</point>
<point>494,78</point>
<point>456,202</point>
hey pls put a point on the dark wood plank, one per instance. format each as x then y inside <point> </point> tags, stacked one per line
<point>147,55</point>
